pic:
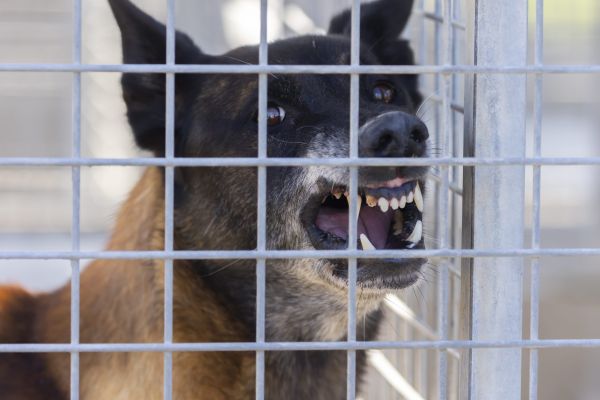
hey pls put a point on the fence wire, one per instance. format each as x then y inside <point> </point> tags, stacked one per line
<point>446,68</point>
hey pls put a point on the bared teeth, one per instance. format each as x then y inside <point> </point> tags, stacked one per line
<point>383,204</point>
<point>418,198</point>
<point>371,201</point>
<point>358,202</point>
<point>366,243</point>
<point>402,202</point>
<point>417,234</point>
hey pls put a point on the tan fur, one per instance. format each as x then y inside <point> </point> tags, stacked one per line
<point>122,302</point>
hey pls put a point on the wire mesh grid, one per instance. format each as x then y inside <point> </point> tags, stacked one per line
<point>422,361</point>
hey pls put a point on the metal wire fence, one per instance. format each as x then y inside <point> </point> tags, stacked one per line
<point>458,220</point>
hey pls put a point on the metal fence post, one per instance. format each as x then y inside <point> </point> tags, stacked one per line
<point>493,207</point>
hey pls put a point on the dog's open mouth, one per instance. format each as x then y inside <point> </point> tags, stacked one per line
<point>390,217</point>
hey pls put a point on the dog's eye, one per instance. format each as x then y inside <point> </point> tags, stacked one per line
<point>275,115</point>
<point>384,92</point>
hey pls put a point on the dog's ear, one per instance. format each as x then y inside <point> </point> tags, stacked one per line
<point>144,42</point>
<point>381,22</point>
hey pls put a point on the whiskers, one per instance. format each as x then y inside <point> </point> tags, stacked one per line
<point>287,141</point>
<point>221,269</point>
<point>426,106</point>
<point>431,239</point>
<point>247,63</point>
<point>429,273</point>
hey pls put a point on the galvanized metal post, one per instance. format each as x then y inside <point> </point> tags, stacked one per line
<point>495,117</point>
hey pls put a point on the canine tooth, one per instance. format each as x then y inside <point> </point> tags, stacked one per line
<point>366,243</point>
<point>383,204</point>
<point>371,201</point>
<point>394,203</point>
<point>417,233</point>
<point>410,197</point>
<point>418,198</point>
<point>402,203</point>
<point>358,204</point>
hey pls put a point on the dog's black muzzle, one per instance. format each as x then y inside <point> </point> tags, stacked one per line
<point>390,199</point>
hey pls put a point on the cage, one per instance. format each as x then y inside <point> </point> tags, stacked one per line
<point>464,333</point>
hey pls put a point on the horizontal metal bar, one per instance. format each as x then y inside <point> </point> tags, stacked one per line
<point>290,162</point>
<point>455,106</point>
<point>292,346</point>
<point>293,254</point>
<point>440,19</point>
<point>303,69</point>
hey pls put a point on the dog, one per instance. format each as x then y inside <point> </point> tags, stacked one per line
<point>215,209</point>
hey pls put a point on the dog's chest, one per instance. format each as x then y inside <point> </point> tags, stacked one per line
<point>308,375</point>
<point>214,376</point>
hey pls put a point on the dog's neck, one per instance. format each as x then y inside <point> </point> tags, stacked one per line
<point>297,308</point>
<point>297,311</point>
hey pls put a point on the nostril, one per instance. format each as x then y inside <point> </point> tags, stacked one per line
<point>385,139</point>
<point>393,134</point>
<point>415,135</point>
<point>418,135</point>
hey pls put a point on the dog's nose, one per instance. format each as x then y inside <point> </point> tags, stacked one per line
<point>393,134</point>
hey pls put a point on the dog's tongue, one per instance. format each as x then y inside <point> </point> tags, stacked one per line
<point>371,221</point>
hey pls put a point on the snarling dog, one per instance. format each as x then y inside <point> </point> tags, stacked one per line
<point>215,208</point>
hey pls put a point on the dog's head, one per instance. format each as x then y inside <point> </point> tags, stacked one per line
<point>308,116</point>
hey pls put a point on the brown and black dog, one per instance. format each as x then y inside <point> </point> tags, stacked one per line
<point>215,208</point>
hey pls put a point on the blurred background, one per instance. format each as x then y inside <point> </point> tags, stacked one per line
<point>35,112</point>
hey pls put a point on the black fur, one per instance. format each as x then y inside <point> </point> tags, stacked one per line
<point>216,207</point>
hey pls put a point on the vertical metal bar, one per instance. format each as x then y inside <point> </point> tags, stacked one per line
<point>422,35</point>
<point>352,198</point>
<point>440,193</point>
<point>418,364</point>
<point>169,189</point>
<point>535,225</point>
<point>407,358</point>
<point>437,59</point>
<point>457,130</point>
<point>453,373</point>
<point>493,217</point>
<point>261,223</point>
<point>76,203</point>
<point>442,215</point>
